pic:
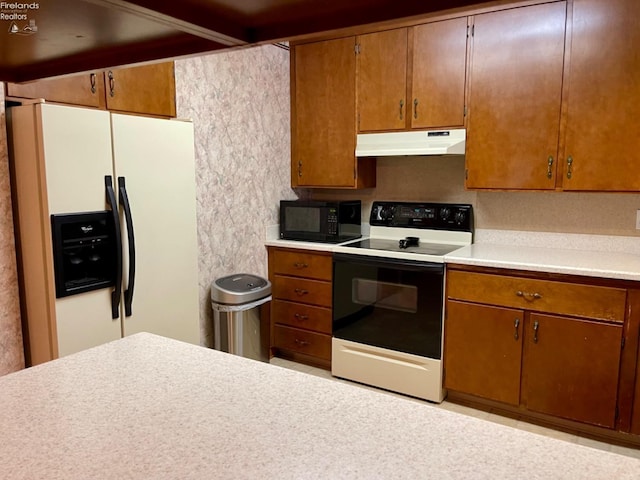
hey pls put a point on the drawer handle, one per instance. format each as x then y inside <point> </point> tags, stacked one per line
<point>516,324</point>
<point>528,296</point>
<point>302,343</point>
<point>301,291</point>
<point>300,265</point>
<point>536,325</point>
<point>301,317</point>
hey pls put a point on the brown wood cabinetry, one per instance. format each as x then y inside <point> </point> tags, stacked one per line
<point>86,90</point>
<point>382,80</point>
<point>301,312</point>
<point>545,346</point>
<point>324,117</point>
<point>515,97</point>
<point>425,64</point>
<point>600,152</point>
<point>147,89</point>
<point>439,74</point>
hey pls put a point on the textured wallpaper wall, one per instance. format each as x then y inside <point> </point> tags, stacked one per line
<point>441,179</point>
<point>11,350</point>
<point>239,103</point>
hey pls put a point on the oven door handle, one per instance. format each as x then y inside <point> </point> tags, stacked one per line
<point>396,263</point>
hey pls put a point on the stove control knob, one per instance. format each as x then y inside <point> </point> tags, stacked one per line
<point>460,217</point>
<point>386,213</point>
<point>445,213</point>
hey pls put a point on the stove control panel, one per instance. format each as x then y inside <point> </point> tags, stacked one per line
<point>436,216</point>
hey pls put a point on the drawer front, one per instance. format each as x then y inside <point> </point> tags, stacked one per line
<point>302,264</point>
<point>589,301</point>
<point>303,341</point>
<point>301,290</point>
<point>301,316</point>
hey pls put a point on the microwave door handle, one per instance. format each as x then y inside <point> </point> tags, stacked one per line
<point>111,200</point>
<point>124,201</point>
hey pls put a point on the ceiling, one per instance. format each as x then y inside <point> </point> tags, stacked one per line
<point>57,37</point>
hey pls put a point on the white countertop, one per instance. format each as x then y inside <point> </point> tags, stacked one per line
<point>604,256</point>
<point>146,407</point>
<point>589,255</point>
<point>622,266</point>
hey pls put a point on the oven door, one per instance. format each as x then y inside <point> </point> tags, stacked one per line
<point>388,303</point>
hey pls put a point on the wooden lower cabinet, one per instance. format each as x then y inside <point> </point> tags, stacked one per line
<point>483,351</point>
<point>301,312</point>
<point>571,368</point>
<point>505,348</point>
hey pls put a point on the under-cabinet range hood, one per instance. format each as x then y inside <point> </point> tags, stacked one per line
<point>434,142</point>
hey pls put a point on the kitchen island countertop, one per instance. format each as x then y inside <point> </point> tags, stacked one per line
<point>152,408</point>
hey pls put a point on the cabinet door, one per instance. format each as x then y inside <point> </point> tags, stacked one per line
<point>438,79</point>
<point>604,98</point>
<point>86,89</point>
<point>483,351</point>
<point>324,114</point>
<point>514,97</point>
<point>148,89</point>
<point>571,368</point>
<point>382,80</point>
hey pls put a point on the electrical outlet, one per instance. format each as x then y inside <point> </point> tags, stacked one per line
<point>638,220</point>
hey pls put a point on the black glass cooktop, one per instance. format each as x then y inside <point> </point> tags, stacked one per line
<point>393,246</point>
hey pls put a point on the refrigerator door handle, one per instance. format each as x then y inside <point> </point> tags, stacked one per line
<point>124,201</point>
<point>111,200</point>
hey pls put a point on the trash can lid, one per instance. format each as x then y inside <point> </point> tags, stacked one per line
<point>239,288</point>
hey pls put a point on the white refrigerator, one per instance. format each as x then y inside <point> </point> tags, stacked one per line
<point>63,159</point>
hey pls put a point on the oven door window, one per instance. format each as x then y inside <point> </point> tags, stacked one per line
<point>389,304</point>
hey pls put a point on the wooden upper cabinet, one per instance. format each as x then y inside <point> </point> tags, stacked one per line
<point>147,89</point>
<point>438,74</point>
<point>324,117</point>
<point>382,77</point>
<point>603,101</point>
<point>86,89</point>
<point>514,97</point>
<point>571,368</point>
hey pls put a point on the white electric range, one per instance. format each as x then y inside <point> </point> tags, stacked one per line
<point>388,296</point>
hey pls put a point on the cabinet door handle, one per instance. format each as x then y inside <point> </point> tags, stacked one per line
<point>300,265</point>
<point>299,168</point>
<point>549,165</point>
<point>528,296</point>
<point>415,108</point>
<point>516,324</point>
<point>92,79</point>
<point>301,291</point>
<point>401,108</point>
<point>112,84</point>
<point>301,317</point>
<point>302,343</point>
<point>536,325</point>
<point>569,167</point>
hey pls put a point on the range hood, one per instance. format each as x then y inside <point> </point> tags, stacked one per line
<point>434,142</point>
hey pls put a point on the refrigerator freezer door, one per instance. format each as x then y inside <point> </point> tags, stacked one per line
<point>156,157</point>
<point>77,156</point>
<point>76,150</point>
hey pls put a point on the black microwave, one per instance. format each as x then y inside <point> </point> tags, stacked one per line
<point>315,221</point>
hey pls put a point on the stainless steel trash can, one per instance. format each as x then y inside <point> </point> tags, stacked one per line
<point>236,301</point>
